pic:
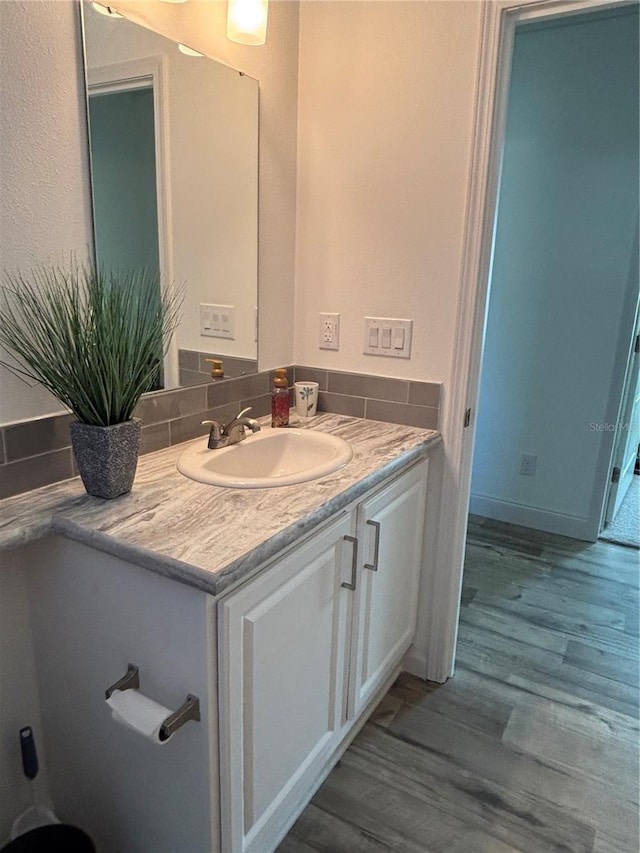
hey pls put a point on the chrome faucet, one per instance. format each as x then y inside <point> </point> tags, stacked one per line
<point>222,436</point>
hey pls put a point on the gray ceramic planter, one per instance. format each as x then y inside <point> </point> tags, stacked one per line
<point>107,457</point>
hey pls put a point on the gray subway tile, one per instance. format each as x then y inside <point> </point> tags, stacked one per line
<point>169,405</point>
<point>2,454</point>
<point>401,413</point>
<point>259,405</point>
<point>184,429</point>
<point>236,367</point>
<point>233,390</point>
<point>425,394</point>
<point>155,437</point>
<point>361,385</point>
<point>189,359</point>
<point>43,435</point>
<point>341,404</point>
<point>189,378</point>
<point>312,374</point>
<point>34,472</point>
<point>233,367</point>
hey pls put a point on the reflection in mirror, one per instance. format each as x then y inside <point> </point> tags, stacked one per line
<point>174,169</point>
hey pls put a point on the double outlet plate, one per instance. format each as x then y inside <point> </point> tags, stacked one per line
<point>384,336</point>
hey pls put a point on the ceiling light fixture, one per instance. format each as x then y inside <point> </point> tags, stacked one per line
<point>188,51</point>
<point>247,21</point>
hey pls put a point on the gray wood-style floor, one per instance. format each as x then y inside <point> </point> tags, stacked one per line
<point>533,745</point>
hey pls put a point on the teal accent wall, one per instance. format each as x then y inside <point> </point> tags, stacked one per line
<point>124,179</point>
<point>562,266</point>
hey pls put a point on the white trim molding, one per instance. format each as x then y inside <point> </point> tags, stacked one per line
<point>131,74</point>
<point>530,516</point>
<point>499,19</point>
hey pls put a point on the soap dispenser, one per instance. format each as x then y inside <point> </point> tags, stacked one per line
<point>217,369</point>
<point>280,399</point>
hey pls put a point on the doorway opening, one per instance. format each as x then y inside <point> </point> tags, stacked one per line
<point>563,297</point>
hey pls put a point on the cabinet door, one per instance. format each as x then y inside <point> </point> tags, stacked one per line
<point>281,674</point>
<point>390,528</point>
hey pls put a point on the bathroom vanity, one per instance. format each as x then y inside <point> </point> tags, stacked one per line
<point>287,612</point>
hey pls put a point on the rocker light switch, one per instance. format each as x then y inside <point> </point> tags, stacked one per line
<point>217,321</point>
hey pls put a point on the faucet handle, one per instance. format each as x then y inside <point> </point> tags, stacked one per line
<point>243,413</point>
<point>216,429</point>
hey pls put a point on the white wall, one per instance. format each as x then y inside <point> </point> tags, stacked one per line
<point>45,209</point>
<point>566,220</point>
<point>385,117</point>
<point>211,123</point>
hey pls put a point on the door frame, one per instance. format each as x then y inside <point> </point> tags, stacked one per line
<point>148,71</point>
<point>625,418</point>
<point>499,20</point>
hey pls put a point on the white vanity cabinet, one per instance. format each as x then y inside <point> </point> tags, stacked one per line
<point>305,649</point>
<point>286,665</point>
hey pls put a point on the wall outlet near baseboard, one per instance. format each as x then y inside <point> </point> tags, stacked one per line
<point>528,463</point>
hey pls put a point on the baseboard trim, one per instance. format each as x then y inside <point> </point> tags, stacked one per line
<point>415,663</point>
<point>532,517</point>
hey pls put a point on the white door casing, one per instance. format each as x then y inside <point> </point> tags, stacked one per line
<point>627,430</point>
<point>149,71</point>
<point>499,19</point>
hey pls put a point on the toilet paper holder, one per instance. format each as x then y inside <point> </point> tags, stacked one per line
<point>189,710</point>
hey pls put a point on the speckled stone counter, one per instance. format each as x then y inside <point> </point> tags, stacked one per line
<point>209,537</point>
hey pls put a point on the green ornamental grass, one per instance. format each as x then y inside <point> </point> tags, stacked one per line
<point>92,338</point>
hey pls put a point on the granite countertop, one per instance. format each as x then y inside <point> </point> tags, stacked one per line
<point>209,537</point>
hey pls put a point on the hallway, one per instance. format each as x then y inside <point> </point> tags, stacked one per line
<point>533,746</point>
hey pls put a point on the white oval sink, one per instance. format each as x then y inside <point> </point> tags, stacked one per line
<point>271,457</point>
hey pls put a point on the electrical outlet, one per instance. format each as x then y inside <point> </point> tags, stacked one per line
<point>329,337</point>
<point>528,464</point>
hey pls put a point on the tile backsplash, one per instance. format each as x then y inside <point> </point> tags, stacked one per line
<point>38,452</point>
<point>195,369</point>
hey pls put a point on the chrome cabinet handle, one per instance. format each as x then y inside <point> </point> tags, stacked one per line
<point>354,562</point>
<point>376,547</point>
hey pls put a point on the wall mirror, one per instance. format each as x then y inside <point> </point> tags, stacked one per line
<point>173,138</point>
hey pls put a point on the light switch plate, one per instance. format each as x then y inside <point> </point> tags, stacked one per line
<point>388,337</point>
<point>218,321</point>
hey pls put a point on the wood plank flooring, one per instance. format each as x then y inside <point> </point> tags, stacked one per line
<point>533,746</point>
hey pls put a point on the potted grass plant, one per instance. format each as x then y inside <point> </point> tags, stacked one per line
<point>95,340</point>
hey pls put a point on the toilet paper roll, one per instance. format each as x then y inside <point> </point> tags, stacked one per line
<point>138,712</point>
